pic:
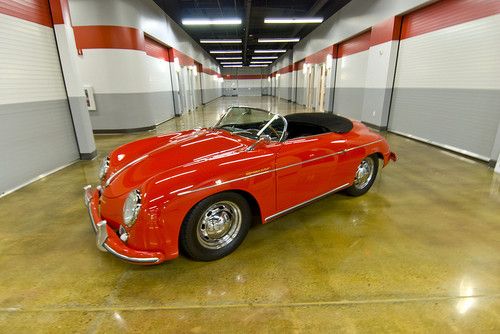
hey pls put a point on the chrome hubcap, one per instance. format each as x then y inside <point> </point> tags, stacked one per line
<point>219,225</point>
<point>364,174</point>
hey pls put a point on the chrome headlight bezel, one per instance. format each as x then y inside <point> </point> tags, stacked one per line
<point>131,207</point>
<point>103,169</point>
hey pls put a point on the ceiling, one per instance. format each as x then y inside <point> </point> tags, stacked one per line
<point>252,14</point>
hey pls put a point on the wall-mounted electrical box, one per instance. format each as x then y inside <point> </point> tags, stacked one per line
<point>89,98</point>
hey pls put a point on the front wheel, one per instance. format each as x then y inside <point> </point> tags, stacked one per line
<point>365,176</point>
<point>215,227</point>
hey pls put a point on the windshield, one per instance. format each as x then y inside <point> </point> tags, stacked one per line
<point>252,123</point>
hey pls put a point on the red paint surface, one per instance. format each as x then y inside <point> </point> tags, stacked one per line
<point>354,45</point>
<point>224,167</point>
<point>37,11</point>
<point>108,37</point>
<point>388,30</point>
<point>155,49</point>
<point>446,13</point>
<point>184,60</point>
<point>60,11</point>
<point>209,71</point>
<point>320,56</point>
<point>245,76</point>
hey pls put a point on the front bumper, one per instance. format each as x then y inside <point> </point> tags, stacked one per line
<point>106,238</point>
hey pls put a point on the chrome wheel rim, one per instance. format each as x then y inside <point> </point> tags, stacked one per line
<point>219,225</point>
<point>364,174</point>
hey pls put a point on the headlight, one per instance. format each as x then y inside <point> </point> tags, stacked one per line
<point>104,168</point>
<point>131,207</point>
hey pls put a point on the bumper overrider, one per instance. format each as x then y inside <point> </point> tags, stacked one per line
<point>108,240</point>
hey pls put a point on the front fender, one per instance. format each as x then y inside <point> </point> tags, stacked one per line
<point>172,194</point>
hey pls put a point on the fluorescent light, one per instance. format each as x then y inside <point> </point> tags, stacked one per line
<point>208,41</point>
<point>225,51</point>
<point>258,65</point>
<point>227,58</point>
<point>297,20</point>
<point>230,62</point>
<point>278,40</point>
<point>270,51</point>
<point>261,62</point>
<point>264,57</point>
<point>203,22</point>
<point>232,66</point>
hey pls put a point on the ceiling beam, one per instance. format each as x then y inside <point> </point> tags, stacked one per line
<point>248,8</point>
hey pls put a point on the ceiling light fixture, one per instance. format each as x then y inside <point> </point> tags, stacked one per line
<point>232,66</point>
<point>225,51</point>
<point>228,58</point>
<point>278,40</point>
<point>270,51</point>
<point>296,20</point>
<point>261,62</point>
<point>258,65</point>
<point>204,22</point>
<point>264,57</point>
<point>213,41</point>
<point>230,62</point>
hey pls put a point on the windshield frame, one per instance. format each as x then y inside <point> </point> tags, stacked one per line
<point>275,117</point>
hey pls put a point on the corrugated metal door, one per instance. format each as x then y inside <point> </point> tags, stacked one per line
<point>36,129</point>
<point>351,76</point>
<point>447,86</point>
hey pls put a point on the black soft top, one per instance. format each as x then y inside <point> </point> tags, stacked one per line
<point>330,122</point>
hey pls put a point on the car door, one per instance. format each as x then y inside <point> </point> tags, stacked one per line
<point>306,168</point>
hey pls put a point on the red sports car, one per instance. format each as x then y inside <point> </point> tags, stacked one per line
<point>199,190</point>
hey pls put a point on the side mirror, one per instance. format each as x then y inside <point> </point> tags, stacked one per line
<point>262,139</point>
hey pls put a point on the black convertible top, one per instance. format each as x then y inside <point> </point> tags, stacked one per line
<point>331,122</point>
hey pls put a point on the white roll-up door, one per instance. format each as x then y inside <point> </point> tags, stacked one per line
<point>36,129</point>
<point>351,76</point>
<point>447,86</point>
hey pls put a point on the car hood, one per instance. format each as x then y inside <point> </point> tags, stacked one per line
<point>147,158</point>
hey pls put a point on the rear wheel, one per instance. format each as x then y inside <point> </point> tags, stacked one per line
<point>215,227</point>
<point>365,176</point>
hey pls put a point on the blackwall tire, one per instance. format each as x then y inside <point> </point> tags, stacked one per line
<point>215,227</point>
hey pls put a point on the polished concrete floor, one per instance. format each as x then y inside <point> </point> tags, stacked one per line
<point>419,253</point>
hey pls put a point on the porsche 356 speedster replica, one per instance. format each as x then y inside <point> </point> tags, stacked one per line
<point>199,190</point>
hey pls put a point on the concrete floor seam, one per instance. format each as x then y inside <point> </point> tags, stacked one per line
<point>251,305</point>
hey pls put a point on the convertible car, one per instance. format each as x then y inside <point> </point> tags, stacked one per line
<point>199,190</point>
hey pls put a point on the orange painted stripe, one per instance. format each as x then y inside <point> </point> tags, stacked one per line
<point>184,60</point>
<point>245,76</point>
<point>209,71</point>
<point>385,31</point>
<point>320,56</point>
<point>446,13</point>
<point>108,37</point>
<point>37,11</point>
<point>355,44</point>
<point>156,49</point>
<point>60,11</point>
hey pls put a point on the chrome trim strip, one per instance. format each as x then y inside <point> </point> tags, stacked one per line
<point>225,182</point>
<point>276,169</point>
<point>115,174</point>
<point>131,259</point>
<point>356,147</point>
<point>306,202</point>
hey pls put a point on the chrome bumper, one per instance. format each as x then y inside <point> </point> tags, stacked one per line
<point>101,230</point>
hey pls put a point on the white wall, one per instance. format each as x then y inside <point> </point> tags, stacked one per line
<point>248,81</point>
<point>36,129</point>
<point>134,90</point>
